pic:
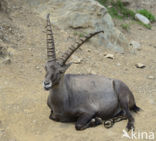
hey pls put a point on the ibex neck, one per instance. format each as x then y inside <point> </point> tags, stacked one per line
<point>58,91</point>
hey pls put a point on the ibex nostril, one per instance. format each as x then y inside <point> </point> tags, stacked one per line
<point>47,85</point>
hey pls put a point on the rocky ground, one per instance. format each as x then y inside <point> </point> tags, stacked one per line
<point>23,110</point>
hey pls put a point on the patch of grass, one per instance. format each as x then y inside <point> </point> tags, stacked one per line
<point>147,14</point>
<point>75,33</point>
<point>125,26</point>
<point>148,26</point>
<point>81,35</point>
<point>114,13</point>
<point>122,10</point>
<point>117,10</point>
<point>103,2</point>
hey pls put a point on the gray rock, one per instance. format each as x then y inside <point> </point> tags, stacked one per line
<point>151,77</point>
<point>90,71</point>
<point>142,18</point>
<point>89,50</point>
<point>3,49</point>
<point>85,17</point>
<point>93,72</point>
<point>11,51</point>
<point>109,56</point>
<point>7,60</point>
<point>135,45</point>
<point>118,64</point>
<point>37,67</point>
<point>76,59</point>
<point>140,65</point>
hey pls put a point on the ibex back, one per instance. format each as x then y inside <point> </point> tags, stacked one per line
<point>82,98</point>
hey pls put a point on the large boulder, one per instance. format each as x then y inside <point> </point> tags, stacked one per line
<point>84,16</point>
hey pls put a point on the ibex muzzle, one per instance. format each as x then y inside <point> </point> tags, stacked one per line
<point>84,98</point>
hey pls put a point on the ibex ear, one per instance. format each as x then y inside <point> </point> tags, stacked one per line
<point>65,67</point>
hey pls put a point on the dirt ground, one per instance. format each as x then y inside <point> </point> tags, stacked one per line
<point>23,110</point>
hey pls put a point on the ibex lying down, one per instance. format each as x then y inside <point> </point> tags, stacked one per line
<point>81,98</point>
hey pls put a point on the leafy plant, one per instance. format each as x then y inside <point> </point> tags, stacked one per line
<point>147,14</point>
<point>75,33</point>
<point>148,26</point>
<point>117,9</point>
<point>125,26</point>
<point>81,35</point>
<point>103,2</point>
<point>114,13</point>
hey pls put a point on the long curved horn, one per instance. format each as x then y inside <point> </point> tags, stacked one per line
<point>73,48</point>
<point>50,41</point>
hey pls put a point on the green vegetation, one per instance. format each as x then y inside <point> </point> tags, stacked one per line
<point>117,10</point>
<point>125,26</point>
<point>148,26</point>
<point>81,35</point>
<point>147,14</point>
<point>103,2</point>
<point>75,33</point>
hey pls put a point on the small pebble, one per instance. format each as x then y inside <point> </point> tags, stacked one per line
<point>88,50</point>
<point>118,64</point>
<point>150,77</point>
<point>76,59</point>
<point>135,45</point>
<point>37,67</point>
<point>140,65</point>
<point>7,60</point>
<point>93,72</point>
<point>110,56</point>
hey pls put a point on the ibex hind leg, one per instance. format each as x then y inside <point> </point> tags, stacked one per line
<point>124,103</point>
<point>52,117</point>
<point>130,124</point>
<point>126,100</point>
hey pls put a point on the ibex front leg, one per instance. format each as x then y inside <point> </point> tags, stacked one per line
<point>52,117</point>
<point>83,121</point>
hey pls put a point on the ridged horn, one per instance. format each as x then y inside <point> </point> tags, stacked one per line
<point>50,41</point>
<point>63,59</point>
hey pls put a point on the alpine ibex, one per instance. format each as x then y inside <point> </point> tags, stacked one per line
<point>81,98</point>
